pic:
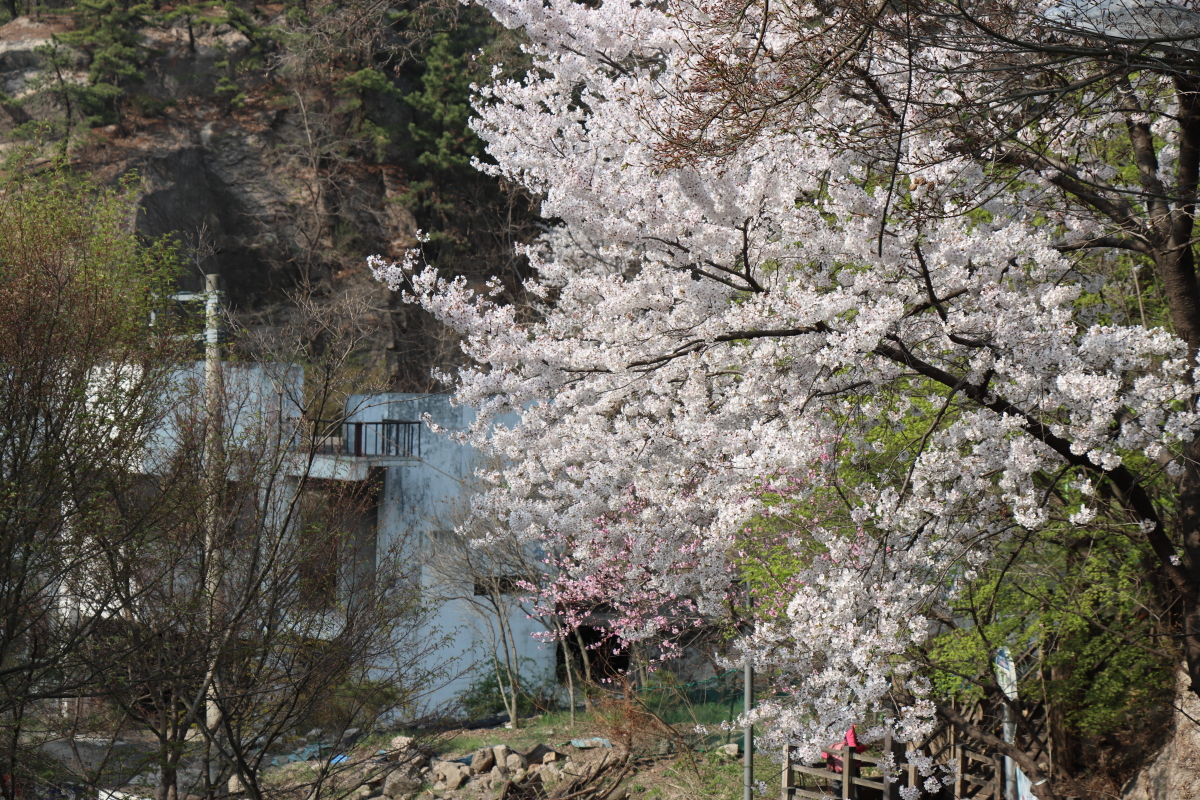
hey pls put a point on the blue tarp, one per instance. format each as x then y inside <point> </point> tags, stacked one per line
<point>585,744</point>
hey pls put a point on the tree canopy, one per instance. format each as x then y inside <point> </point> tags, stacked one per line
<point>923,271</point>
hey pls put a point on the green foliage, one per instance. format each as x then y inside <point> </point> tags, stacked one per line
<point>449,197</point>
<point>713,777</point>
<point>1078,607</point>
<point>228,88</point>
<point>359,91</point>
<point>296,12</point>
<point>485,696</point>
<point>91,103</point>
<point>768,558</point>
<point>356,700</point>
<point>149,106</point>
<point>191,13</point>
<point>107,32</point>
<point>442,135</point>
<point>227,85</point>
<point>712,703</point>
<point>108,37</point>
<point>440,139</point>
<point>242,21</point>
<point>354,86</point>
<point>48,214</point>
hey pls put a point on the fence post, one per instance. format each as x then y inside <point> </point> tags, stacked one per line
<point>849,768</point>
<point>358,443</point>
<point>748,734</point>
<point>891,783</point>
<point>747,706</point>
<point>960,762</point>
<point>788,783</point>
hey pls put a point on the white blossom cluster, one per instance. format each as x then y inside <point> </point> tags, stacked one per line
<point>771,290</point>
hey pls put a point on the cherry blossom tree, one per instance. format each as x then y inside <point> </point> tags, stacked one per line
<point>910,281</point>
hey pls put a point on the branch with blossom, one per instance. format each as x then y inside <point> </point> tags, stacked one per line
<point>807,213</point>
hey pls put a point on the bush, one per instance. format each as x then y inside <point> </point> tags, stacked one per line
<point>485,697</point>
<point>356,701</point>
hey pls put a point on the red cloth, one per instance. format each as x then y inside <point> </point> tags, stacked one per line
<point>834,762</point>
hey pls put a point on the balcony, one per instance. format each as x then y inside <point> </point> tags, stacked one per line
<point>347,450</point>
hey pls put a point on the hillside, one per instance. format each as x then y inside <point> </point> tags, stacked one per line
<point>291,140</point>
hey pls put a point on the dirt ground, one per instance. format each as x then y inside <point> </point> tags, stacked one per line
<point>662,769</point>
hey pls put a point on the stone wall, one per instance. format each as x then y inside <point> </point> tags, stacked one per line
<point>1175,773</point>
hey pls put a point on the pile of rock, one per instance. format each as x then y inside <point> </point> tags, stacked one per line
<point>494,765</point>
<point>404,769</point>
<point>410,771</point>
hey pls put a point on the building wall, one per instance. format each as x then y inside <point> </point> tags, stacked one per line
<point>417,498</point>
<point>420,498</point>
<point>255,397</point>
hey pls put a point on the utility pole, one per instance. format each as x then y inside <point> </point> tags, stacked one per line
<point>214,480</point>
<point>214,487</point>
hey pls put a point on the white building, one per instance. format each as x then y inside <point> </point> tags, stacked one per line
<point>413,486</point>
<point>420,482</point>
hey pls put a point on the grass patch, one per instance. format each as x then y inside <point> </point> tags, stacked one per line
<point>713,776</point>
<point>551,729</point>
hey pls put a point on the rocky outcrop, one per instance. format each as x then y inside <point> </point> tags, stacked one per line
<point>273,222</point>
<point>450,774</point>
<point>1175,772</point>
<point>184,64</point>
<point>399,785</point>
<point>483,761</point>
<point>300,144</point>
<point>20,40</point>
<point>276,213</point>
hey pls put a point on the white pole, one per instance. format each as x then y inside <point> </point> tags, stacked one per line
<point>747,705</point>
<point>213,479</point>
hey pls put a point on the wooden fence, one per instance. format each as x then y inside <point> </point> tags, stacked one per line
<point>978,776</point>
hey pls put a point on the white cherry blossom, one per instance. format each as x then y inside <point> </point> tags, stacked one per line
<point>740,318</point>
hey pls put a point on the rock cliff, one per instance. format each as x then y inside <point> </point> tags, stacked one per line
<point>1174,774</point>
<point>286,206</point>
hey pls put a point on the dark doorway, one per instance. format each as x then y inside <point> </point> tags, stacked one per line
<point>598,647</point>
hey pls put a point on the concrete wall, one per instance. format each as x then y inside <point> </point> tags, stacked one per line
<point>417,498</point>
<point>257,398</point>
<point>416,501</point>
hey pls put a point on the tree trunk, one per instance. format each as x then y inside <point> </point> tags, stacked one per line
<point>513,666</point>
<point>567,659</point>
<point>167,782</point>
<point>587,671</point>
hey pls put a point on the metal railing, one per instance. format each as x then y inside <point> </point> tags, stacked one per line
<point>389,437</point>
